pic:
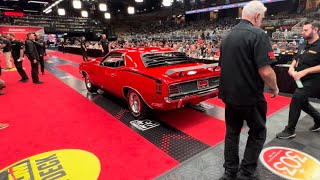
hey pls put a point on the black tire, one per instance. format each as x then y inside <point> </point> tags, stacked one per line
<point>90,87</point>
<point>139,110</point>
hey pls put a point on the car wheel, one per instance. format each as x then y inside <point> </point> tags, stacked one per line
<point>90,87</point>
<point>137,106</point>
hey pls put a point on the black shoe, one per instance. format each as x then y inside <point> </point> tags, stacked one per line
<point>39,82</point>
<point>286,134</point>
<point>228,176</point>
<point>315,128</point>
<point>24,80</point>
<point>242,176</point>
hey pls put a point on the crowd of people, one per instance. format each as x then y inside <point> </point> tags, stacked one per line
<point>14,50</point>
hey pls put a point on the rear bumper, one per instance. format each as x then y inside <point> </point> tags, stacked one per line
<point>191,99</point>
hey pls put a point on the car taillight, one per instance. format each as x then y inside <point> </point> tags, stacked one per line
<point>174,89</point>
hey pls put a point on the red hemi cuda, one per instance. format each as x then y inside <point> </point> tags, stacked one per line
<point>152,78</point>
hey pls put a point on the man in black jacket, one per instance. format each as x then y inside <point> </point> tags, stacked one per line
<point>244,72</point>
<point>17,55</point>
<point>33,56</point>
<point>40,48</point>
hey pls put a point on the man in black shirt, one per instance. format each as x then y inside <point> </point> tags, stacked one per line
<point>246,55</point>
<point>104,45</point>
<point>84,49</point>
<point>33,56</point>
<point>6,47</point>
<point>17,54</point>
<point>306,68</point>
<point>40,48</point>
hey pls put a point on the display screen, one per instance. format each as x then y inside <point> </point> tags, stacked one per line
<point>198,6</point>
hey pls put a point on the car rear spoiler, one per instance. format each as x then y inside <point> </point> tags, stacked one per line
<point>205,67</point>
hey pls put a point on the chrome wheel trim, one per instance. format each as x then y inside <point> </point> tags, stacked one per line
<point>134,102</point>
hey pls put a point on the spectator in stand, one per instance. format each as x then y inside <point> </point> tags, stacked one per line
<point>6,47</point>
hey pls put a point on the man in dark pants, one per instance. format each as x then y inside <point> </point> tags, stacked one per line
<point>40,48</point>
<point>84,49</point>
<point>33,56</point>
<point>104,45</point>
<point>307,65</point>
<point>17,54</point>
<point>246,55</point>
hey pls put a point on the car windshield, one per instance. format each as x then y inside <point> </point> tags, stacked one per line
<point>165,59</point>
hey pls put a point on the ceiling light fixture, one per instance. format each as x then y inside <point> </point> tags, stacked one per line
<point>52,5</point>
<point>130,10</point>
<point>139,1</point>
<point>49,11</point>
<point>38,2</point>
<point>76,4</point>
<point>107,15</point>
<point>103,7</point>
<point>167,2</point>
<point>84,13</point>
<point>61,12</point>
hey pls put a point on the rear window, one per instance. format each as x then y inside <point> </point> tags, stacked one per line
<point>166,58</point>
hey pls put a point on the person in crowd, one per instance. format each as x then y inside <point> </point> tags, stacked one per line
<point>84,49</point>
<point>209,54</point>
<point>307,65</point>
<point>194,52</point>
<point>40,49</point>
<point>2,86</point>
<point>17,55</point>
<point>104,45</point>
<point>243,75</point>
<point>33,56</point>
<point>276,49</point>
<point>6,47</point>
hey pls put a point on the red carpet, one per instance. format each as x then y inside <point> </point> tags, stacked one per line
<point>274,104</point>
<point>205,128</point>
<point>52,116</point>
<point>72,70</point>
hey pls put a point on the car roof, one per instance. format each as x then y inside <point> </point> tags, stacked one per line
<point>142,50</point>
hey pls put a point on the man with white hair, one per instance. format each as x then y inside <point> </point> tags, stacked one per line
<point>245,59</point>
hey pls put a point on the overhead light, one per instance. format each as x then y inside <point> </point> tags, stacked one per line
<point>48,11</point>
<point>27,10</point>
<point>38,2</point>
<point>103,7</point>
<point>139,1</point>
<point>76,4</point>
<point>52,5</point>
<point>107,15</point>
<point>167,2</point>
<point>130,10</point>
<point>84,13</point>
<point>61,12</point>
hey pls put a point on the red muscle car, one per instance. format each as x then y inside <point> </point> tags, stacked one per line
<point>152,78</point>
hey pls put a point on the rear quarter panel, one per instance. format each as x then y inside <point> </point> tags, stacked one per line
<point>145,85</point>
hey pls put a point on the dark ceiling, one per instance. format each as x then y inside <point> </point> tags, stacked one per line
<point>90,5</point>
